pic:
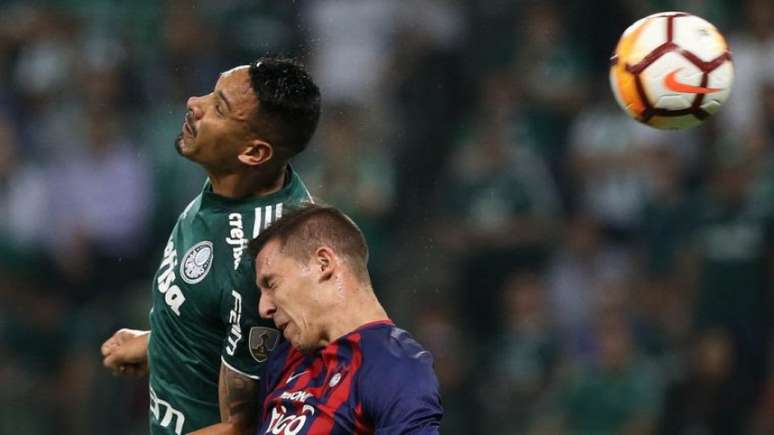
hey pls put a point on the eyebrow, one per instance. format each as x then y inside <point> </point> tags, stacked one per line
<point>225,100</point>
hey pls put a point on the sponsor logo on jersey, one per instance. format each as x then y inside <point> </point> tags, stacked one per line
<point>262,341</point>
<point>170,414</point>
<point>173,296</point>
<point>196,262</point>
<point>234,316</point>
<point>282,423</point>
<point>236,237</point>
<point>290,378</point>
<point>335,380</point>
<point>296,396</point>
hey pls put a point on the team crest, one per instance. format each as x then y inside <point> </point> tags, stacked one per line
<point>196,262</point>
<point>262,342</point>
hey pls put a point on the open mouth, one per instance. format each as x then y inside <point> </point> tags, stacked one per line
<point>188,126</point>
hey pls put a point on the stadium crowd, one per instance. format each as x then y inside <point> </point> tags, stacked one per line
<point>571,270</point>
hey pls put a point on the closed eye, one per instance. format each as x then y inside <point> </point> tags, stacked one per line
<point>267,283</point>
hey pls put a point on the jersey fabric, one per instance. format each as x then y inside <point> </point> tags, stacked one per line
<point>205,305</point>
<point>374,380</point>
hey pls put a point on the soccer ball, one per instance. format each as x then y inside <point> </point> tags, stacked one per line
<point>671,70</point>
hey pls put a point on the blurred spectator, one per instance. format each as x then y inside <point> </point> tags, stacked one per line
<point>34,399</point>
<point>24,202</point>
<point>762,145</point>
<point>665,217</point>
<point>582,268</point>
<point>619,393</point>
<point>523,357</point>
<point>43,83</point>
<point>101,198</point>
<point>663,294</point>
<point>499,205</point>
<point>608,167</point>
<point>732,255</point>
<point>550,71</point>
<point>753,51</point>
<point>349,57</point>
<point>428,93</point>
<point>453,350</point>
<point>706,400</point>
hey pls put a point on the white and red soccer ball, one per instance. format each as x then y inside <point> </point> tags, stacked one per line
<point>671,70</point>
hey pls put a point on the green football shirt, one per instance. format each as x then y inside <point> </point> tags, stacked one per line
<point>205,305</point>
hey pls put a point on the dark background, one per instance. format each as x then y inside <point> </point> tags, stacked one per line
<point>571,270</point>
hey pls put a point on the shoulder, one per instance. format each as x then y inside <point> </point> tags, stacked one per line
<point>393,343</point>
<point>398,359</point>
<point>397,386</point>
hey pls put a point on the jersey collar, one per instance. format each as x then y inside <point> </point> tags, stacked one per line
<point>212,199</point>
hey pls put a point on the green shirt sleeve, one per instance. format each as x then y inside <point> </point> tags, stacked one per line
<point>249,339</point>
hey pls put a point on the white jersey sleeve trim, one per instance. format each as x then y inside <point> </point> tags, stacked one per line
<point>254,377</point>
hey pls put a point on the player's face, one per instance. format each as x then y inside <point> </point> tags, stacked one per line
<point>291,297</point>
<point>216,126</point>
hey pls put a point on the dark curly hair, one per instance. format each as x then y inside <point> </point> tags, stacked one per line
<point>288,103</point>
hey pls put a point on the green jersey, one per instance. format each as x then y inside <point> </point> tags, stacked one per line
<point>205,306</point>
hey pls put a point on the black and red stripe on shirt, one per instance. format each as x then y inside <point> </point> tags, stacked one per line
<point>374,380</point>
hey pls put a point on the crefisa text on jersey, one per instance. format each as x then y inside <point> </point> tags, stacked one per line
<point>236,238</point>
<point>173,296</point>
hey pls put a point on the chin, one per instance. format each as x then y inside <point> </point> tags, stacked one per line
<point>302,347</point>
<point>184,149</point>
<point>179,144</point>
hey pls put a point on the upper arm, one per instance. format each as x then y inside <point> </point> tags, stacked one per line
<point>238,399</point>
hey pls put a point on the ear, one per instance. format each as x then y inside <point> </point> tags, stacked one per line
<point>325,263</point>
<point>257,152</point>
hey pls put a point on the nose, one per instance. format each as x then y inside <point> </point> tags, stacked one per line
<point>194,105</point>
<point>266,307</point>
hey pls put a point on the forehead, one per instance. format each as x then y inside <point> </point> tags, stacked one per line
<point>267,252</point>
<point>269,258</point>
<point>235,85</point>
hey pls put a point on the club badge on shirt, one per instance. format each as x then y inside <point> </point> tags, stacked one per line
<point>262,341</point>
<point>196,262</point>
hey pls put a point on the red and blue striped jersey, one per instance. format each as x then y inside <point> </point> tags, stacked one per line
<point>374,380</point>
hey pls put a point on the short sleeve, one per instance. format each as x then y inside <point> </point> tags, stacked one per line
<point>400,393</point>
<point>248,339</point>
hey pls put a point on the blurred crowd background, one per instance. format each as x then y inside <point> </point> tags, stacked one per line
<point>572,271</point>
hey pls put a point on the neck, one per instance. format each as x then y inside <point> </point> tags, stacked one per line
<point>357,311</point>
<point>253,183</point>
